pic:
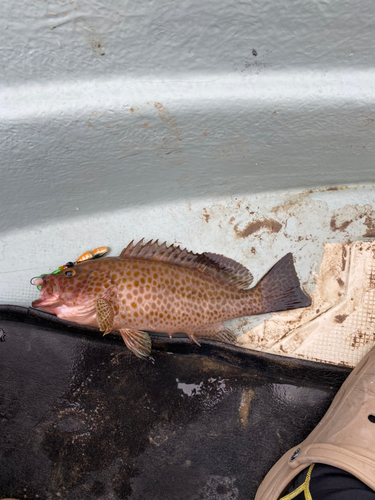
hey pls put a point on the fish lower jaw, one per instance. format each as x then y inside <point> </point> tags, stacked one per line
<point>47,302</point>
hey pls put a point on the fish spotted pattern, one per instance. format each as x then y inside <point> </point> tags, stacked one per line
<point>156,288</point>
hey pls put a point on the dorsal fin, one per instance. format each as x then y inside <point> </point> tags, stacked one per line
<point>240,276</point>
<point>220,267</point>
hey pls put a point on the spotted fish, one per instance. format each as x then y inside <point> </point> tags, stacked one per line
<point>160,288</point>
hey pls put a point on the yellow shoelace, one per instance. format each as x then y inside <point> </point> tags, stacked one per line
<point>305,487</point>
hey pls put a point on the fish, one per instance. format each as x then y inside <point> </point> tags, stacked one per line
<point>152,287</point>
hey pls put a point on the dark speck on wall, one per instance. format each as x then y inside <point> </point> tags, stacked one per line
<point>254,52</point>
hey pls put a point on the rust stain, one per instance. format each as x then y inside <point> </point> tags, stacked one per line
<point>343,258</point>
<point>370,223</point>
<point>361,339</point>
<point>340,318</point>
<point>334,188</point>
<point>291,203</point>
<point>145,125</point>
<point>206,215</point>
<point>253,251</point>
<point>270,225</point>
<point>342,218</point>
<point>371,279</point>
<point>340,227</point>
<point>343,363</point>
<point>89,124</point>
<point>133,109</point>
<point>340,282</point>
<point>298,199</point>
<point>231,220</point>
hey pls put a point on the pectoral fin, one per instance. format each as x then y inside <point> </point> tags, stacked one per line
<point>137,341</point>
<point>104,315</point>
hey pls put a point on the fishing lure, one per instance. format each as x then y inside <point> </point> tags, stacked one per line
<point>90,254</point>
<point>93,254</point>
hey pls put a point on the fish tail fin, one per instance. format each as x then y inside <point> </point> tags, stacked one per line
<point>280,289</point>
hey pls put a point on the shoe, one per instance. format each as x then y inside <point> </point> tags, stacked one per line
<point>344,438</point>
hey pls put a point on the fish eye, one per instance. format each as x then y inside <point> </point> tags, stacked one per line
<point>69,272</point>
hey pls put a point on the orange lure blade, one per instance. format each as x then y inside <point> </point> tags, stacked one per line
<point>93,254</point>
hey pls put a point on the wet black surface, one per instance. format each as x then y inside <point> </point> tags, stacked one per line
<point>82,418</point>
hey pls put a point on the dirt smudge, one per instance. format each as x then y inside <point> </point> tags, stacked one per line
<point>236,145</point>
<point>368,121</point>
<point>343,258</point>
<point>171,140</point>
<point>342,218</point>
<point>95,40</point>
<point>370,223</point>
<point>371,279</point>
<point>361,339</point>
<point>340,318</point>
<point>270,225</point>
<point>206,215</point>
<point>247,397</point>
<point>166,117</point>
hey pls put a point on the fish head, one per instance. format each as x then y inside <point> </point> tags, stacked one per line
<point>64,288</point>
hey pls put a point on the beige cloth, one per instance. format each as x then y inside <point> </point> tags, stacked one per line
<point>345,437</point>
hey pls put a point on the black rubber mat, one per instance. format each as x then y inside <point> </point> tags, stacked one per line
<point>82,418</point>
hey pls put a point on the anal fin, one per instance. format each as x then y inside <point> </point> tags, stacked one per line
<point>137,341</point>
<point>214,332</point>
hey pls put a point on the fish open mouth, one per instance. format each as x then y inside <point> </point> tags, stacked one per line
<point>50,294</point>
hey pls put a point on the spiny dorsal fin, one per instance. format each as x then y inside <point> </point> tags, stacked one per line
<point>220,267</point>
